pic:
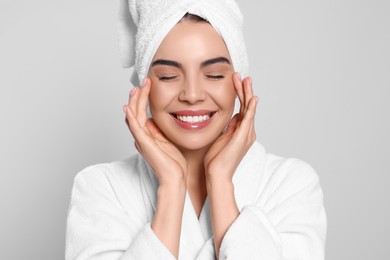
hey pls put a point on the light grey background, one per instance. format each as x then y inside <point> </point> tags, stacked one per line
<point>321,71</point>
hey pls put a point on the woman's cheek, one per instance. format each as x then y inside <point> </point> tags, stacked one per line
<point>226,91</point>
<point>159,94</point>
<point>231,96</point>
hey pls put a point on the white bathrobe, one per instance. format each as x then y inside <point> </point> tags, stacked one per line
<point>282,216</point>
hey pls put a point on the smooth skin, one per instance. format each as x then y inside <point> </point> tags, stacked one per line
<point>201,161</point>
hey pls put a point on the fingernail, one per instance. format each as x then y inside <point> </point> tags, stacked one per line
<point>124,109</point>
<point>250,80</point>
<point>239,76</point>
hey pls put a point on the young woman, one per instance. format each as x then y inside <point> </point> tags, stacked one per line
<point>201,187</point>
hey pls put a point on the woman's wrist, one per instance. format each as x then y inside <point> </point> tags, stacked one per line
<point>167,220</point>
<point>218,185</point>
<point>221,178</point>
<point>173,182</point>
<point>174,189</point>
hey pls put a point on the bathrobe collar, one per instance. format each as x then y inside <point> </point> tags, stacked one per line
<point>195,233</point>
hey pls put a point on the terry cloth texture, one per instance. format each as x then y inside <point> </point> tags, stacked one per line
<point>143,24</point>
<point>282,214</point>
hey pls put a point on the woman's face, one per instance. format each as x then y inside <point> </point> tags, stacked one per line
<point>192,94</point>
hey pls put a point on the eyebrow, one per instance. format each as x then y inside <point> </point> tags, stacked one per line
<point>213,61</point>
<point>167,62</point>
<point>202,65</point>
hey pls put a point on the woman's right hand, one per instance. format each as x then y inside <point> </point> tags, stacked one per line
<point>165,159</point>
<point>168,163</point>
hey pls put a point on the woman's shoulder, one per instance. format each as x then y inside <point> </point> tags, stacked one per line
<point>287,173</point>
<point>277,164</point>
<point>124,169</point>
<point>289,167</point>
<point>119,180</point>
<point>110,190</point>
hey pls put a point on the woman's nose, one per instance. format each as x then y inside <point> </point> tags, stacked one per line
<point>192,92</point>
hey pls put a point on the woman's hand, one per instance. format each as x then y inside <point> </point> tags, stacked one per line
<point>166,160</point>
<point>168,164</point>
<point>227,151</point>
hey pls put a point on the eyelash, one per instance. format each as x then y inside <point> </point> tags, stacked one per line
<point>215,76</point>
<point>167,78</point>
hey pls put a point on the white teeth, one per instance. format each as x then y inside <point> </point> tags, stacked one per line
<point>194,119</point>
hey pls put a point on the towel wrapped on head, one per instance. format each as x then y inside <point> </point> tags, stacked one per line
<point>143,24</point>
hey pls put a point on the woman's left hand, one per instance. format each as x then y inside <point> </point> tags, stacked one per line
<point>227,151</point>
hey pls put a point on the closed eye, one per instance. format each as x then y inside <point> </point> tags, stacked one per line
<point>166,78</point>
<point>215,76</point>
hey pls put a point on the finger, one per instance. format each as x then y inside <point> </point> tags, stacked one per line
<point>252,134</point>
<point>130,117</point>
<point>252,120</point>
<point>134,123</point>
<point>155,131</point>
<point>248,92</point>
<point>128,102</point>
<point>143,141</point>
<point>152,126</point>
<point>137,147</point>
<point>232,124</point>
<point>133,100</point>
<point>251,111</point>
<point>135,128</point>
<point>238,86</point>
<point>247,121</point>
<point>244,133</point>
<point>143,101</point>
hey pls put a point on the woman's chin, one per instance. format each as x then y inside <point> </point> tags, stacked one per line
<point>189,145</point>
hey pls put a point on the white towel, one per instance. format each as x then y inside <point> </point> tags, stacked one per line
<point>143,24</point>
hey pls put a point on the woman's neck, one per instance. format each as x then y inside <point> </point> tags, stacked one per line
<point>196,171</point>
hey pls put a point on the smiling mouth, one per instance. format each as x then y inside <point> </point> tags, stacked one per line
<point>193,117</point>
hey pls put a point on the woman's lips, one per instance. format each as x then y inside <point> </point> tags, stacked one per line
<point>193,119</point>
